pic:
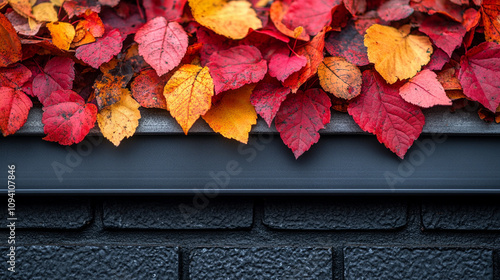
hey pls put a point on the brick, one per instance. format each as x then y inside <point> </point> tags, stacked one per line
<point>92,262</point>
<point>261,263</point>
<point>169,213</point>
<point>417,263</point>
<point>335,213</point>
<point>461,214</point>
<point>51,212</point>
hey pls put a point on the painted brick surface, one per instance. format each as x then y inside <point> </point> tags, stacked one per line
<point>178,213</point>
<point>261,263</point>
<point>335,213</point>
<point>417,263</point>
<point>461,214</point>
<point>91,262</point>
<point>51,212</point>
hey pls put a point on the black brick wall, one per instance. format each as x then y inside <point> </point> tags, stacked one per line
<point>336,237</point>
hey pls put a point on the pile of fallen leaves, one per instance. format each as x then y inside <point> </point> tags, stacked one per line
<point>291,62</point>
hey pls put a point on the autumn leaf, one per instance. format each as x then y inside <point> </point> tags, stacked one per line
<point>232,19</point>
<point>313,51</point>
<point>111,3</point>
<point>116,75</point>
<point>22,7</point>
<point>348,43</point>
<point>438,59</point>
<point>424,90</point>
<point>396,53</point>
<point>393,10</point>
<point>284,62</point>
<point>222,119</point>
<point>380,110</point>
<point>446,35</point>
<point>62,34</point>
<point>448,79</point>
<point>10,45</point>
<point>101,51</point>
<point>14,110</point>
<point>14,76</point>
<point>147,89</point>
<point>235,67</point>
<point>471,19</point>
<point>57,74</point>
<point>443,7</point>
<point>189,94</point>
<point>312,15</point>
<point>162,44</point>
<point>339,77</point>
<point>169,9</point>
<point>480,74</point>
<point>267,97</point>
<point>79,7</point>
<point>45,12</point>
<point>300,118</point>
<point>119,120</point>
<point>355,7</point>
<point>491,20</point>
<point>22,25</point>
<point>69,121</point>
<point>93,23</point>
<point>277,12</point>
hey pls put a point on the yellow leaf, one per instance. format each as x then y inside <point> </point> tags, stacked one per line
<point>45,12</point>
<point>119,120</point>
<point>57,3</point>
<point>232,19</point>
<point>339,77</point>
<point>234,115</point>
<point>395,53</point>
<point>62,34</point>
<point>189,94</point>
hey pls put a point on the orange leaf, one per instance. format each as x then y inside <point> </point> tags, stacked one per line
<point>82,35</point>
<point>147,89</point>
<point>62,34</point>
<point>234,115</point>
<point>189,94</point>
<point>491,20</point>
<point>119,120</point>
<point>10,45</point>
<point>22,7</point>
<point>339,77</point>
<point>232,19</point>
<point>277,12</point>
<point>395,53</point>
<point>108,87</point>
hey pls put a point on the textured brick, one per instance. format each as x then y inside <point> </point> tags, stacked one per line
<point>91,262</point>
<point>51,212</point>
<point>261,263</point>
<point>167,213</point>
<point>417,263</point>
<point>335,213</point>
<point>461,214</point>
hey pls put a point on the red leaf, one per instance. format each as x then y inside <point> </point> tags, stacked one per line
<point>381,110</point>
<point>267,97</point>
<point>101,51</point>
<point>300,118</point>
<point>126,26</point>
<point>14,109</point>
<point>446,35</point>
<point>471,19</point>
<point>443,7</point>
<point>348,44</point>
<point>438,59</point>
<point>78,7</point>
<point>93,24</point>
<point>284,62</point>
<point>236,67</point>
<point>313,51</point>
<point>393,10</point>
<point>162,44</point>
<point>57,74</point>
<point>14,76</point>
<point>10,45</point>
<point>169,9</point>
<point>355,7</point>
<point>212,42</point>
<point>480,74</point>
<point>147,89</point>
<point>312,15</point>
<point>60,96</point>
<point>69,121</point>
<point>424,90</point>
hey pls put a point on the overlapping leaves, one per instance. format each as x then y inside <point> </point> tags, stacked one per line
<point>93,64</point>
